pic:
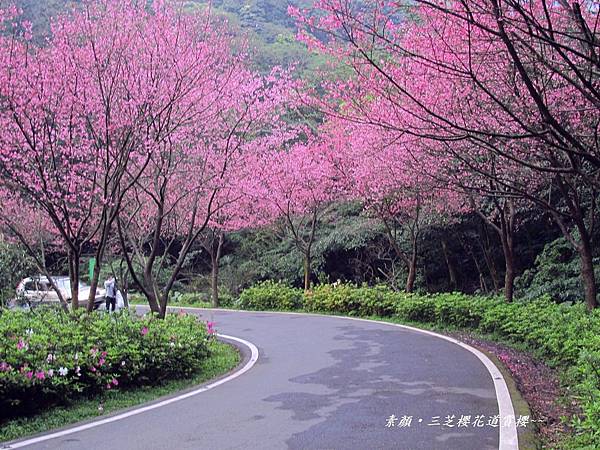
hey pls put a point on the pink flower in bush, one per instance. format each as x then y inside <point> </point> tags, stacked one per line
<point>103,354</point>
<point>101,362</point>
<point>210,327</point>
<point>40,375</point>
<point>115,381</point>
<point>29,375</point>
<point>93,369</point>
<point>144,331</point>
<point>22,345</point>
<point>108,386</point>
<point>4,366</point>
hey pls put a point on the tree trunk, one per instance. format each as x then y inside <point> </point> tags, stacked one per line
<point>469,249</point>
<point>589,279</point>
<point>95,278</point>
<point>584,246</point>
<point>450,265</point>
<point>509,280</point>
<point>125,291</point>
<point>122,277</point>
<point>489,260</point>
<point>214,283</point>
<point>587,269</point>
<point>412,272</point>
<point>307,270</point>
<point>482,284</point>
<point>162,312</point>
<point>215,257</point>
<point>153,301</point>
<point>509,260</point>
<point>163,301</point>
<point>73,258</point>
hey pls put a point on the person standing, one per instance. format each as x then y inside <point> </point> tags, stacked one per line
<point>111,293</point>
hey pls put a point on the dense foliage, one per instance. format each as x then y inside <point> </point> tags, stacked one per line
<point>265,23</point>
<point>270,295</point>
<point>564,336</point>
<point>555,273</point>
<point>48,357</point>
<point>351,246</point>
<point>15,265</point>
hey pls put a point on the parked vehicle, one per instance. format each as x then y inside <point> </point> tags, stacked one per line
<point>37,290</point>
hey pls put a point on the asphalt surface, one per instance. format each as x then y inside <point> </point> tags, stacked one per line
<point>319,383</point>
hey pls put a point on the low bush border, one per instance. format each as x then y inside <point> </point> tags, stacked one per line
<point>225,358</point>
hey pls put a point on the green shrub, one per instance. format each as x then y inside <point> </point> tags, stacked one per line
<point>448,309</point>
<point>555,274</point>
<point>189,299</point>
<point>226,300</point>
<point>270,295</point>
<point>416,309</point>
<point>346,298</point>
<point>51,357</point>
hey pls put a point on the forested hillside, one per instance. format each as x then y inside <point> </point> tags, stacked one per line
<point>266,24</point>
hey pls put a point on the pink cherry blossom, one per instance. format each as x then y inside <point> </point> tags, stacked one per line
<point>210,327</point>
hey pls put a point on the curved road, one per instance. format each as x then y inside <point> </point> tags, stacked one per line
<point>320,383</point>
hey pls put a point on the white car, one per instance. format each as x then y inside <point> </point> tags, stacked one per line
<point>34,291</point>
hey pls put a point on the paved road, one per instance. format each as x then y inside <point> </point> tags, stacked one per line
<point>320,383</point>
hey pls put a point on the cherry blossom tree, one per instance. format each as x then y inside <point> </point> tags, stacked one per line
<point>298,186</point>
<point>397,181</point>
<point>193,183</point>
<point>23,224</point>
<point>232,211</point>
<point>82,116</point>
<point>500,84</point>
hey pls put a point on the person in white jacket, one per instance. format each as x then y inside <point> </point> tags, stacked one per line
<point>111,293</point>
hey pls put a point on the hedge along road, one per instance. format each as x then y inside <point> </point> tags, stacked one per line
<point>325,382</point>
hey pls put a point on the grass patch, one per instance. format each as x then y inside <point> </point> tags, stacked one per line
<point>224,358</point>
